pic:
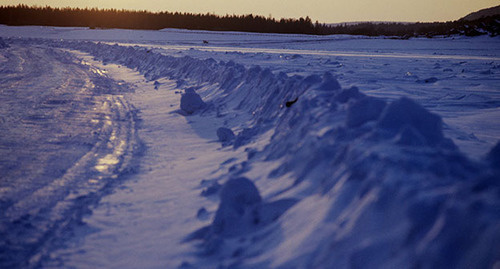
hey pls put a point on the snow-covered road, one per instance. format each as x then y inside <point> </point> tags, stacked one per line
<point>163,197</point>
<point>113,156</point>
<point>67,134</point>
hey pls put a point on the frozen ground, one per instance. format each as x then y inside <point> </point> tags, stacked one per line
<point>334,152</point>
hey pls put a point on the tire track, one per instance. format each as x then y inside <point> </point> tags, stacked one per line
<point>68,135</point>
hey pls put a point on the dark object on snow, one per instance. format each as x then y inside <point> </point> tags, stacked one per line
<point>428,80</point>
<point>290,103</point>
<point>225,134</point>
<point>191,102</point>
<point>205,42</point>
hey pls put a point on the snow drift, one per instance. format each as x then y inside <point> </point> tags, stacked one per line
<point>379,182</point>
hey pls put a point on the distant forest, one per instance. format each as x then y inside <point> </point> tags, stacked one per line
<point>126,19</point>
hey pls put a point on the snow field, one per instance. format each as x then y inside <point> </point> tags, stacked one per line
<point>389,179</point>
<point>279,167</point>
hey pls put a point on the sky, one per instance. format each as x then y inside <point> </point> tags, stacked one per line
<point>325,11</point>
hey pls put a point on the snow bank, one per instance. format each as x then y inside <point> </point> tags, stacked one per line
<point>392,190</point>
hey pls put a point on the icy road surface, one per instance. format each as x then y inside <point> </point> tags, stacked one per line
<point>67,135</point>
<point>255,151</point>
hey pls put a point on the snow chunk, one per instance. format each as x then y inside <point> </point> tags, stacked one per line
<point>245,136</point>
<point>312,79</point>
<point>405,112</point>
<point>410,137</point>
<point>329,83</point>
<point>348,94</point>
<point>239,198</point>
<point>202,214</point>
<point>364,110</point>
<point>191,101</point>
<point>241,211</point>
<point>225,134</point>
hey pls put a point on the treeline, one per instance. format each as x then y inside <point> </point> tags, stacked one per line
<point>126,19</point>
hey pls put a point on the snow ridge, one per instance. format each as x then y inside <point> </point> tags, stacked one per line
<point>391,189</point>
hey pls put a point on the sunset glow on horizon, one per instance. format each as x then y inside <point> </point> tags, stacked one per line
<point>325,11</point>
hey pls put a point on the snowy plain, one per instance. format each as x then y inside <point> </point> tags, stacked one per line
<point>334,151</point>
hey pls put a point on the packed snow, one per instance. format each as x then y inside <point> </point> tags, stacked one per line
<point>154,149</point>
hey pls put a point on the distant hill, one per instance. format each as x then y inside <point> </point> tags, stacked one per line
<point>483,13</point>
<point>482,22</point>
